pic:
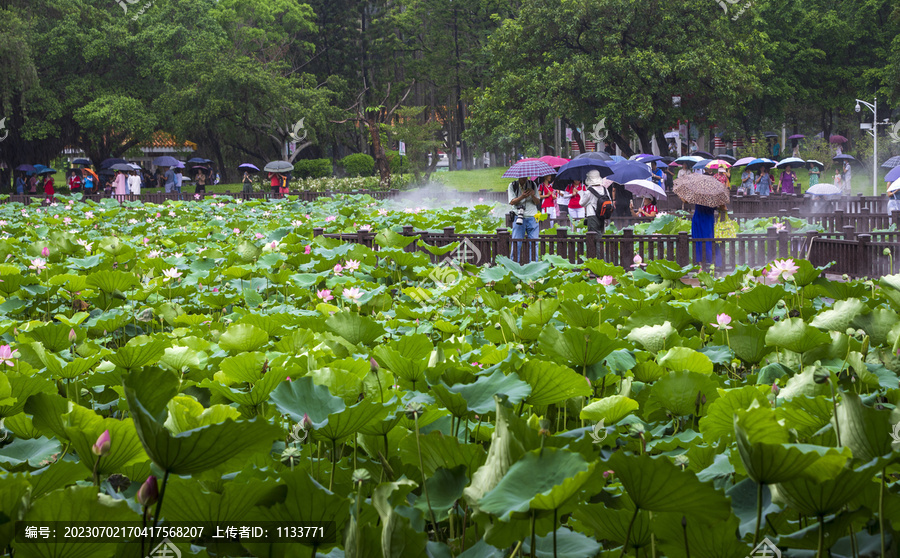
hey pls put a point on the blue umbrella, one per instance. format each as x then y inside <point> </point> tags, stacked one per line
<point>688,159</point>
<point>577,169</point>
<point>199,161</point>
<point>166,161</point>
<point>757,164</point>
<point>647,159</point>
<point>892,175</point>
<point>891,163</point>
<point>81,162</point>
<point>701,164</point>
<point>626,171</point>
<point>46,170</point>
<point>617,158</point>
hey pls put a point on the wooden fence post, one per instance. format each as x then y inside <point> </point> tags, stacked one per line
<point>784,244</point>
<point>849,232</point>
<point>318,231</point>
<point>626,250</point>
<point>864,263</point>
<point>771,240</point>
<point>590,249</point>
<point>502,244</point>
<point>683,249</point>
<point>895,218</point>
<point>562,245</point>
<point>838,220</point>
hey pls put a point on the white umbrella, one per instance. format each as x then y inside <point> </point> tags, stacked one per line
<point>794,163</point>
<point>895,185</point>
<point>824,189</point>
<point>689,159</point>
<point>673,135</point>
<point>645,189</point>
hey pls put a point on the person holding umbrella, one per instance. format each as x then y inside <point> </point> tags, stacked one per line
<point>522,197</point>
<point>49,191</point>
<point>788,177</point>
<point>20,184</point>
<point>707,194</point>
<point>847,178</point>
<point>120,184</point>
<point>547,194</point>
<point>248,182</point>
<point>201,181</point>
<point>764,182</point>
<point>814,173</point>
<point>90,180</point>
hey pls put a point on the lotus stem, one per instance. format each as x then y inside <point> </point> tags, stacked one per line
<point>837,426</point>
<point>821,546</point>
<point>516,549</point>
<point>533,535</point>
<point>628,532</point>
<point>555,528</point>
<point>687,549</point>
<point>437,533</point>
<point>333,463</point>
<point>759,498</point>
<point>881,511</point>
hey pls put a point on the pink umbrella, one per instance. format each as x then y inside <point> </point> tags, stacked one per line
<point>744,161</point>
<point>554,161</point>
<point>837,139</point>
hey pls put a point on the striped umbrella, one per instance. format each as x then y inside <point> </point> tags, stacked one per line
<point>891,163</point>
<point>529,168</point>
<point>793,162</point>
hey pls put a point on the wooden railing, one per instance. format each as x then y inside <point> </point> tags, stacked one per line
<point>853,254</point>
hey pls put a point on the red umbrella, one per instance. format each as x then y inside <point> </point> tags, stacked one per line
<point>554,161</point>
<point>837,139</point>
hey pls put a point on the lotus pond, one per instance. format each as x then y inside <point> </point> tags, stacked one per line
<point>213,361</point>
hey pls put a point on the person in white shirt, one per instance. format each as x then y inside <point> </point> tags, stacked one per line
<point>594,183</point>
<point>134,183</point>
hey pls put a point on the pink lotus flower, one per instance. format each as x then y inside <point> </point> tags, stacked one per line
<point>330,218</point>
<point>66,220</point>
<point>38,264</point>
<point>307,249</point>
<point>296,222</point>
<point>353,294</point>
<point>171,274</point>
<point>606,280</point>
<point>101,446</point>
<point>259,236</point>
<point>215,289</point>
<point>237,231</point>
<point>274,244</point>
<point>780,227</point>
<point>638,261</point>
<point>382,212</point>
<point>782,269</point>
<point>196,196</point>
<point>325,295</point>
<point>722,321</point>
<point>158,215</point>
<point>146,241</point>
<point>338,268</point>
<point>7,355</point>
<point>45,251</point>
<point>352,265</point>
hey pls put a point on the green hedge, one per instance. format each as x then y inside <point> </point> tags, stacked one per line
<point>313,168</point>
<point>358,164</point>
<point>399,165</point>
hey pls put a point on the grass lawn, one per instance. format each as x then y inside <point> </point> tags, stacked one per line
<point>474,180</point>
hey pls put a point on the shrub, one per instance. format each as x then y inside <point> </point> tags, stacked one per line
<point>358,164</point>
<point>313,168</point>
<point>399,165</point>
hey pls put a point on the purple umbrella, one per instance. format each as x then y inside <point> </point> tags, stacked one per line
<point>529,168</point>
<point>837,139</point>
<point>248,166</point>
<point>893,175</point>
<point>25,168</point>
<point>796,136</point>
<point>166,161</point>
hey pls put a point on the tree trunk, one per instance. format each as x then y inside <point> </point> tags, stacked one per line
<point>622,143</point>
<point>382,167</point>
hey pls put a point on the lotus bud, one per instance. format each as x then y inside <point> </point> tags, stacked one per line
<point>45,251</point>
<point>845,277</point>
<point>775,389</point>
<point>850,331</point>
<point>780,304</point>
<point>306,423</point>
<point>821,377</point>
<point>886,252</point>
<point>101,446</point>
<point>72,336</point>
<point>607,474</point>
<point>373,365</point>
<point>148,493</point>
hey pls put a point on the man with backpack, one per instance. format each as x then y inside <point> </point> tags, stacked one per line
<point>598,207</point>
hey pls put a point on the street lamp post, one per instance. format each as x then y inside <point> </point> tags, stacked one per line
<point>874,108</point>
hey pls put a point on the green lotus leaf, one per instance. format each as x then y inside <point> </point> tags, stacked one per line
<point>866,431</point>
<point>877,324</point>
<point>841,314</point>
<point>683,358</point>
<point>610,409</point>
<point>764,447</point>
<point>186,413</point>
<point>47,410</point>
<point>358,330</point>
<point>818,496</point>
<point>22,453</point>
<point>577,347</point>
<point>503,452</point>
<point>565,544</point>
<point>149,391</point>
<point>807,415</point>
<point>527,273</point>
<point>389,239</point>
<point>406,358</point>
<point>678,392</point>
<point>659,314</point>
<point>302,397</point>
<point>540,312</point>
<point>605,523</point>
<point>12,283</point>
<point>541,480</point>
<point>76,503</point>
<point>110,281</point>
<point>139,352</point>
<point>795,335</point>
<point>714,539</point>
<point>480,395</point>
<point>718,424</point>
<point>657,485</point>
<point>242,338</point>
<point>259,390</point>
<point>351,420</point>
<point>54,337</point>
<point>243,367</point>
<point>652,337</point>
<point>55,476</point>
<point>445,487</point>
<point>761,298</point>
<point>398,538</point>
<point>84,427</point>
<point>17,387</point>
<point>552,383</point>
<point>439,451</point>
<point>189,500</point>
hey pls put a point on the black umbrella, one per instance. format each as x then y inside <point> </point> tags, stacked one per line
<point>703,154</point>
<point>728,159</point>
<point>107,172</point>
<point>279,167</point>
<point>598,155</point>
<point>770,134</point>
<point>166,161</point>
<point>81,162</point>
<point>577,169</point>
<point>108,163</point>
<point>844,158</point>
<point>199,161</point>
<point>124,167</point>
